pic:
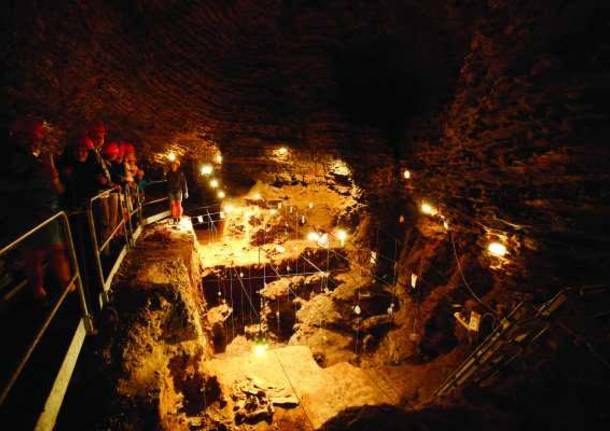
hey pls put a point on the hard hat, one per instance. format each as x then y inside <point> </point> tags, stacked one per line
<point>86,142</point>
<point>112,149</point>
<point>128,148</point>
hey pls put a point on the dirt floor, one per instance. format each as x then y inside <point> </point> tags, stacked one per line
<point>301,318</point>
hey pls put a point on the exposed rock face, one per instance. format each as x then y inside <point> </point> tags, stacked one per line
<point>519,152</point>
<point>151,355</point>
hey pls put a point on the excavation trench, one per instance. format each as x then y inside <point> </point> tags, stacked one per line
<point>261,300</point>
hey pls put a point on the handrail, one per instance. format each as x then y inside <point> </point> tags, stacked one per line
<point>30,233</point>
<point>85,326</point>
<point>461,373</point>
<point>74,280</point>
<point>97,249</point>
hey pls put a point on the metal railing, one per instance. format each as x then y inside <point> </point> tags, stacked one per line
<point>85,321</point>
<point>103,263</point>
<point>147,218</point>
<point>104,198</point>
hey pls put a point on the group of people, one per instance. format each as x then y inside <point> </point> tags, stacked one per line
<point>36,185</point>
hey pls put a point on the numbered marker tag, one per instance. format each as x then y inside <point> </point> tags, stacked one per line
<point>475,321</point>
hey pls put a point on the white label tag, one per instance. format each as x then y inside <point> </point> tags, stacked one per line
<point>475,320</point>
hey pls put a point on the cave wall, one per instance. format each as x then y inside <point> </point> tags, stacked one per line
<point>521,147</point>
<point>518,153</point>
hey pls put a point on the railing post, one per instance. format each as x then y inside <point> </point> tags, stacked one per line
<point>87,318</point>
<point>98,262</point>
<point>127,210</point>
<point>126,221</point>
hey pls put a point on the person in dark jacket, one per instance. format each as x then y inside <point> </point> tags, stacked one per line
<point>79,174</point>
<point>177,188</point>
<point>32,186</point>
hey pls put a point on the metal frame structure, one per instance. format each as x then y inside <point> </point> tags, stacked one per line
<point>85,326</point>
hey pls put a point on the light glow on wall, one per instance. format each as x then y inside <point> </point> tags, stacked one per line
<point>206,169</point>
<point>428,209</point>
<point>497,249</point>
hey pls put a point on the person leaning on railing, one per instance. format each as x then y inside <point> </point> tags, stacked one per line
<point>31,186</point>
<point>132,173</point>
<point>113,160</point>
<point>97,134</point>
<point>79,174</point>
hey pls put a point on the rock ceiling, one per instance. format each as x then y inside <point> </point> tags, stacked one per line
<point>236,72</point>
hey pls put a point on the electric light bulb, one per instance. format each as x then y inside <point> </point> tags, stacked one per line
<point>310,205</point>
<point>428,209</point>
<point>313,236</point>
<point>497,249</point>
<point>342,235</point>
<point>214,183</point>
<point>282,150</point>
<point>221,194</point>
<point>229,208</point>
<point>406,174</point>
<point>260,349</point>
<point>206,169</point>
<point>218,158</point>
<point>257,196</point>
<point>171,156</point>
<point>200,219</point>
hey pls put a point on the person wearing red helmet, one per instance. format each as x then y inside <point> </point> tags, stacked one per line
<point>32,187</point>
<point>109,207</point>
<point>97,134</point>
<point>114,164</point>
<point>79,173</point>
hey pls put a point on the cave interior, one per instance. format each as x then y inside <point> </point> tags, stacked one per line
<point>397,217</point>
